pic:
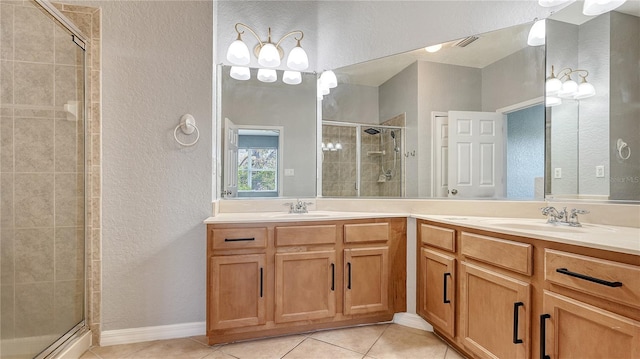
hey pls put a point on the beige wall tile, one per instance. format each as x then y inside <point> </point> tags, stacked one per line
<point>6,144</point>
<point>34,306</point>
<point>7,256</point>
<point>35,31</point>
<point>33,84</point>
<point>96,208</point>
<point>78,8</point>
<point>34,256</point>
<point>66,84</point>
<point>68,304</point>
<point>33,113</point>
<point>7,311</point>
<point>81,19</point>
<point>66,203</point>
<point>95,86</point>
<point>95,54</point>
<point>69,254</point>
<point>33,145</point>
<point>65,48</point>
<point>6,31</point>
<point>96,25</point>
<point>6,82</point>
<point>33,196</point>
<point>66,154</point>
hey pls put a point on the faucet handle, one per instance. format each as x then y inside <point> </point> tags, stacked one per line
<point>546,210</point>
<point>575,211</point>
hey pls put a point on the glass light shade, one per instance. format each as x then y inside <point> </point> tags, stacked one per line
<point>269,56</point>
<point>323,89</point>
<point>338,146</point>
<point>537,34</point>
<point>267,75</point>
<point>292,77</point>
<point>330,146</point>
<point>585,90</point>
<point>551,101</point>
<point>329,79</point>
<point>569,89</point>
<point>238,53</point>
<point>240,73</point>
<point>298,59</point>
<point>597,7</point>
<point>434,48</point>
<point>552,86</point>
<point>319,92</point>
<point>552,3</point>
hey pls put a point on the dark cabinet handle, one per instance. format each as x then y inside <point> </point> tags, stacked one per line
<point>333,276</point>
<point>590,279</point>
<point>445,300</point>
<point>261,280</point>
<point>516,315</point>
<point>239,239</point>
<point>543,337</point>
<point>348,275</point>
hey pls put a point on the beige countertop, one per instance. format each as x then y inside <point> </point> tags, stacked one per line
<point>612,238</point>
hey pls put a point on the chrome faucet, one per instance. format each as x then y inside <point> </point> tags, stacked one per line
<point>298,207</point>
<point>563,217</point>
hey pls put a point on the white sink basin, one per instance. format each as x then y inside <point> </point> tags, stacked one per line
<point>299,215</point>
<point>543,226</point>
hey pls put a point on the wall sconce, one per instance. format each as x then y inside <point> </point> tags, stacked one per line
<point>537,33</point>
<point>269,55</point>
<point>556,89</point>
<point>331,147</point>
<point>326,82</point>
<point>590,7</point>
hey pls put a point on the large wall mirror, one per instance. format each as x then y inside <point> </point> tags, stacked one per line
<point>465,121</point>
<point>594,150</point>
<point>267,137</point>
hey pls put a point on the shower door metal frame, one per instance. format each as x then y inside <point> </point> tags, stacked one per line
<point>81,328</point>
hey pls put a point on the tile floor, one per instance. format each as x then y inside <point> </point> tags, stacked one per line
<point>378,341</point>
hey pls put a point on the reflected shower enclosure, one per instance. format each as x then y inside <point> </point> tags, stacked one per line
<point>362,160</point>
<point>42,176</point>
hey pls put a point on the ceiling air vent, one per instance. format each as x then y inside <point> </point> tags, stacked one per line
<point>466,41</point>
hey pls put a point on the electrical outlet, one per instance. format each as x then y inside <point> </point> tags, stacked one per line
<point>557,173</point>
<point>599,171</point>
<point>289,172</point>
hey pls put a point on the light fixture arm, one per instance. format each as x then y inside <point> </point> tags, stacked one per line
<point>252,31</point>
<point>566,72</point>
<point>289,34</point>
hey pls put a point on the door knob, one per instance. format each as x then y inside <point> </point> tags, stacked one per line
<point>454,191</point>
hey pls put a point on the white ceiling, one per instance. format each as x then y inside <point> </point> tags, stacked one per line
<point>489,48</point>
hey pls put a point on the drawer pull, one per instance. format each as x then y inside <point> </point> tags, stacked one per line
<point>239,239</point>
<point>516,315</point>
<point>261,280</point>
<point>590,279</point>
<point>349,275</point>
<point>445,300</point>
<point>333,277</point>
<point>543,336</point>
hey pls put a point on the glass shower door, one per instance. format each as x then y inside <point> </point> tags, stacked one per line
<point>42,176</point>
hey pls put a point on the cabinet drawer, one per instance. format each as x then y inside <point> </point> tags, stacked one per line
<point>366,232</point>
<point>498,252</point>
<point>239,238</point>
<point>614,281</point>
<point>443,238</point>
<point>305,235</point>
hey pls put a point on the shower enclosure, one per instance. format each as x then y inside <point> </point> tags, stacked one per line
<point>362,160</point>
<point>42,174</point>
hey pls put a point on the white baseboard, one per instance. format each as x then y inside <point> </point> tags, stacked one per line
<point>412,321</point>
<point>145,334</point>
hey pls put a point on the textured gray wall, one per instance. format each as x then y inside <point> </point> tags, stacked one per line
<point>625,106</point>
<point>351,103</point>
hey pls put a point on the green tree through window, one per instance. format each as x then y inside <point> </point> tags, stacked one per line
<point>257,169</point>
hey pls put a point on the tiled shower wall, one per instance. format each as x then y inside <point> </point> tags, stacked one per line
<point>339,167</point>
<point>42,161</point>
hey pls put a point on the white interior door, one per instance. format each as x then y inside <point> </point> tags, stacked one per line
<point>441,145</point>
<point>475,154</point>
<point>230,159</point>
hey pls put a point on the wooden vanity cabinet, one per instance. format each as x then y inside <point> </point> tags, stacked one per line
<point>519,297</point>
<point>266,279</point>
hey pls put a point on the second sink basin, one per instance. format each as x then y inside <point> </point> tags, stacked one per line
<point>542,226</point>
<point>299,215</point>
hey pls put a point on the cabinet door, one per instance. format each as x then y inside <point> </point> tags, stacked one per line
<point>236,291</point>
<point>366,280</point>
<point>495,311</point>
<point>437,290</point>
<point>305,286</point>
<point>574,329</point>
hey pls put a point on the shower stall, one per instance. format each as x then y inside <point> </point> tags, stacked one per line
<point>42,176</point>
<point>362,160</point>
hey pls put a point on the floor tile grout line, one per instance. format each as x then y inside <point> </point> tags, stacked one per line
<point>297,345</point>
<point>378,338</point>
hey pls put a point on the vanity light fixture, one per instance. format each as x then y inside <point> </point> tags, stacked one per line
<point>597,7</point>
<point>434,48</point>
<point>326,82</point>
<point>565,87</point>
<point>269,55</point>
<point>537,33</point>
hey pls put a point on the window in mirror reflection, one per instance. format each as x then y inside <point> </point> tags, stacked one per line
<point>258,163</point>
